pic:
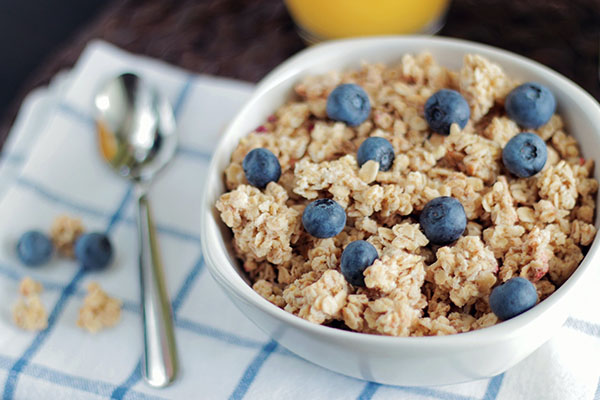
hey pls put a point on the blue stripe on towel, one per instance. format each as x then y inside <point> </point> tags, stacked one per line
<point>58,199</point>
<point>76,114</point>
<point>252,370</point>
<point>93,386</point>
<point>120,391</point>
<point>184,290</point>
<point>193,153</point>
<point>61,200</point>
<point>368,391</point>
<point>183,95</point>
<point>493,387</point>
<point>586,327</point>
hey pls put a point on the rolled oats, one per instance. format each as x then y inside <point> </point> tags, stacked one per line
<point>29,313</point>
<point>565,260</point>
<point>317,300</point>
<point>483,84</point>
<point>395,314</point>
<point>404,236</point>
<point>501,130</point>
<point>354,311</point>
<point>64,232</point>
<point>99,310</point>
<point>269,291</point>
<point>558,185</point>
<point>537,227</point>
<point>566,145</point>
<point>398,271</point>
<point>499,203</point>
<point>29,287</point>
<point>530,259</point>
<point>262,224</point>
<point>547,130</point>
<point>466,271</point>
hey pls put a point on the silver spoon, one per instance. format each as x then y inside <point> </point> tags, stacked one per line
<point>136,131</point>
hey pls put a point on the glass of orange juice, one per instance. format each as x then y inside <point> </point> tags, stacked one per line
<point>332,19</point>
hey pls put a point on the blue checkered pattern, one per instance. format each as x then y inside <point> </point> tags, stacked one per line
<point>49,168</point>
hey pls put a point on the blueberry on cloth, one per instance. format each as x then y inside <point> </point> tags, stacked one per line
<point>377,149</point>
<point>356,257</point>
<point>530,105</point>
<point>512,298</point>
<point>525,154</point>
<point>348,103</point>
<point>93,251</point>
<point>444,108</point>
<point>443,220</point>
<point>261,167</point>
<point>324,218</point>
<point>34,248</point>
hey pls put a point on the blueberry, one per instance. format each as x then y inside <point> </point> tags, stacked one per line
<point>348,103</point>
<point>261,167</point>
<point>525,154</point>
<point>444,108</point>
<point>357,256</point>
<point>34,248</point>
<point>93,251</point>
<point>530,105</point>
<point>512,298</point>
<point>377,149</point>
<point>324,218</point>
<point>443,220</point>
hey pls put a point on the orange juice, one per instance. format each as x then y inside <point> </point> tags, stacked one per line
<point>331,19</point>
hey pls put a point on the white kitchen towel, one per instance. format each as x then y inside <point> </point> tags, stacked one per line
<point>50,166</point>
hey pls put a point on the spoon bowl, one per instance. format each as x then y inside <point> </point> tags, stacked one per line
<point>136,128</point>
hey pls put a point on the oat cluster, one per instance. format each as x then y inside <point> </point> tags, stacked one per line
<point>64,232</point>
<point>537,227</point>
<point>29,313</point>
<point>99,310</point>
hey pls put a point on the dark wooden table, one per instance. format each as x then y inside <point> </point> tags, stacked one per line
<point>245,39</point>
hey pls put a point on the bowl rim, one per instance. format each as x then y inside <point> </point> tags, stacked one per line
<point>227,276</point>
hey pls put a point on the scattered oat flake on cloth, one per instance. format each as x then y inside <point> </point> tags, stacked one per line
<point>99,310</point>
<point>64,232</point>
<point>29,313</point>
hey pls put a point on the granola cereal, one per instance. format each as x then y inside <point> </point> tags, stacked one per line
<point>29,313</point>
<point>99,310</point>
<point>64,232</point>
<point>538,228</point>
<point>28,287</point>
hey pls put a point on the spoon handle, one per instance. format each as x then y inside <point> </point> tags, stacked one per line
<point>160,357</point>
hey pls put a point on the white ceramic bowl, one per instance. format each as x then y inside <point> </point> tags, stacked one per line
<point>392,360</point>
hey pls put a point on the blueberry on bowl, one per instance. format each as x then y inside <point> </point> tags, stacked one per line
<point>34,248</point>
<point>348,103</point>
<point>261,167</point>
<point>93,251</point>
<point>525,154</point>
<point>444,108</point>
<point>530,105</point>
<point>512,298</point>
<point>376,149</point>
<point>324,218</point>
<point>443,220</point>
<point>356,257</point>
